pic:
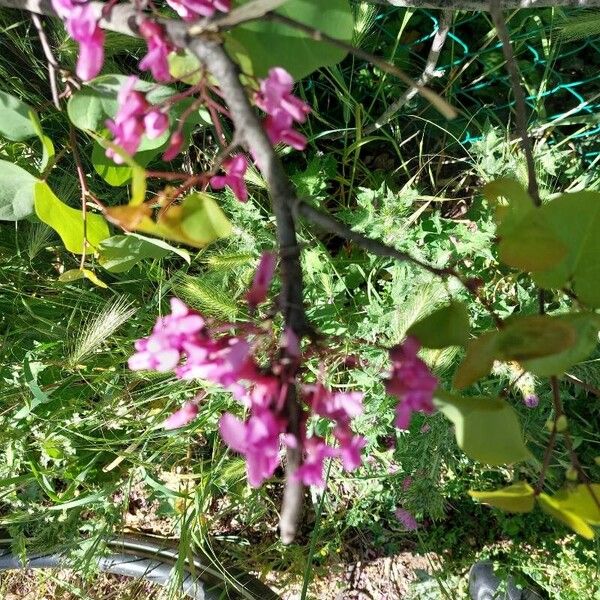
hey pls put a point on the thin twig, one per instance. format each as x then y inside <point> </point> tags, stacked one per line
<point>52,63</point>
<point>84,189</point>
<point>586,386</point>
<point>520,105</point>
<point>377,247</point>
<point>439,39</point>
<point>436,100</point>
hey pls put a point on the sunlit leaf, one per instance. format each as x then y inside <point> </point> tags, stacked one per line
<point>580,501</point>
<point>67,221</point>
<point>553,507</point>
<point>447,326</point>
<point>184,66</point>
<point>517,498</point>
<point>486,429</point>
<point>47,145</point>
<point>75,274</point>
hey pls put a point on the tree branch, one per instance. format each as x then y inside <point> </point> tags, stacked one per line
<point>249,131</point>
<point>439,39</point>
<point>484,5</point>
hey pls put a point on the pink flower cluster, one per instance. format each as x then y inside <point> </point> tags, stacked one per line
<point>410,381</point>
<point>135,117</point>
<point>191,10</point>
<point>283,109</point>
<point>182,342</point>
<point>82,25</point>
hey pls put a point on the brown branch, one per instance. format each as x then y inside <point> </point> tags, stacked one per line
<point>483,5</point>
<point>439,39</point>
<point>377,247</point>
<point>52,63</point>
<point>520,105</point>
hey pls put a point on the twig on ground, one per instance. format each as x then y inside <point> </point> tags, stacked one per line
<point>439,39</point>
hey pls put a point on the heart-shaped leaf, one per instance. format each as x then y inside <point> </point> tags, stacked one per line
<point>16,192</point>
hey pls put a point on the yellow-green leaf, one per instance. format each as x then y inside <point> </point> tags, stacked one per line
<point>67,221</point>
<point>183,65</point>
<point>486,429</point>
<point>579,501</point>
<point>553,507</point>
<point>75,274</point>
<point>517,498</point>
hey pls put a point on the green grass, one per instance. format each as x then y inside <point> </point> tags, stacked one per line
<point>80,434</point>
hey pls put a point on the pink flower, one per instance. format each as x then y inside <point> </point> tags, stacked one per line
<point>190,10</point>
<point>406,483</point>
<point>82,26</point>
<point>283,108</point>
<point>257,439</point>
<point>186,414</point>
<point>157,59</point>
<point>350,447</point>
<point>406,518</point>
<point>411,382</point>
<point>338,406</point>
<point>175,145</point>
<point>162,350</point>
<point>134,118</point>
<point>311,470</point>
<point>262,279</point>
<point>156,123</point>
<point>235,168</point>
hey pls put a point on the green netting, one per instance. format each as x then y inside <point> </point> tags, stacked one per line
<point>562,77</point>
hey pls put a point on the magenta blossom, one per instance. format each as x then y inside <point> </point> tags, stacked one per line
<point>162,350</point>
<point>190,10</point>
<point>338,406</point>
<point>186,414</point>
<point>157,59</point>
<point>82,25</point>
<point>311,470</point>
<point>235,168</point>
<point>411,382</point>
<point>174,148</point>
<point>350,447</point>
<point>134,118</point>
<point>262,279</point>
<point>257,439</point>
<point>283,109</point>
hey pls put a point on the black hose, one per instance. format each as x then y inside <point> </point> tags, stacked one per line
<point>146,558</point>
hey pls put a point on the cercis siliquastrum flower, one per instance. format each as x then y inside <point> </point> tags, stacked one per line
<point>184,343</point>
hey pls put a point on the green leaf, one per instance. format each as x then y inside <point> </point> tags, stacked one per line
<point>120,253</point>
<point>447,326</point>
<point>197,221</point>
<point>521,339</point>
<point>15,121</point>
<point>266,44</point>
<point>585,326</point>
<point>67,221</point>
<point>554,508</point>
<point>516,498</point>
<point>486,429</point>
<point>184,66</point>
<point>579,501</point>
<point>16,192</point>
<point>113,174</point>
<point>75,274</point>
<point>558,243</point>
